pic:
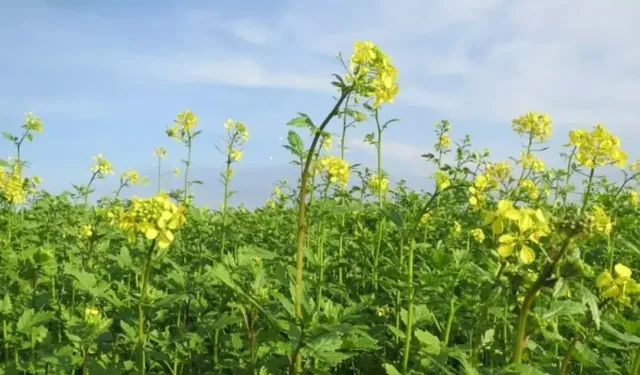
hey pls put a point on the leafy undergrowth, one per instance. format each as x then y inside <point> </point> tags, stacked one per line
<point>502,268</point>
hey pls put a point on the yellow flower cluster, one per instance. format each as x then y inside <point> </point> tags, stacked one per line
<point>481,185</point>
<point>457,228</point>
<point>185,122</point>
<point>498,171</point>
<point>336,168</point>
<point>530,161</point>
<point>633,197</point>
<point>444,141</point>
<point>11,184</point>
<point>538,125</point>
<point>442,180</point>
<point>92,315</point>
<point>529,187</point>
<point>86,231</point>
<point>156,217</point>
<point>373,74</point>
<point>327,142</point>
<point>130,177</point>
<point>160,152</point>
<point>478,234</point>
<point>238,126</point>
<point>375,183</point>
<point>101,166</point>
<point>602,220</point>
<point>32,123</point>
<point>530,226</point>
<point>622,287</point>
<point>597,148</point>
<point>176,172</point>
<point>235,155</point>
<point>635,166</point>
<point>424,220</point>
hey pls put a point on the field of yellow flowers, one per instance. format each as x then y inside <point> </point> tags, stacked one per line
<point>503,267</point>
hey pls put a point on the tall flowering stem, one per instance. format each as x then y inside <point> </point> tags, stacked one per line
<point>302,197</point>
<point>183,130</point>
<point>237,134</point>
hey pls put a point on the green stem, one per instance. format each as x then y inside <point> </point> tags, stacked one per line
<point>567,178</point>
<point>225,205</point>
<point>587,193</point>
<point>567,357</point>
<point>635,368</point>
<point>186,168</point>
<point>146,272</point>
<point>519,344</point>
<point>452,312</point>
<point>410,295</point>
<point>376,257</point>
<point>159,174</point>
<point>300,237</point>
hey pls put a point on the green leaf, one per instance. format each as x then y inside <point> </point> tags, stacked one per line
<point>396,331</point>
<point>9,137</point>
<point>431,343</point>
<point>619,335</point>
<point>129,331</point>
<point>295,143</point>
<point>390,369</point>
<point>562,308</point>
<point>302,121</point>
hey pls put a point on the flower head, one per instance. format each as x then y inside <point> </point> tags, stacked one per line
<point>478,234</point>
<point>130,177</point>
<point>336,169</point>
<point>372,73</point>
<point>33,123</point>
<point>101,166</point>
<point>156,217</point>
<point>597,148</point>
<point>538,125</point>
<point>160,152</point>
<point>375,183</point>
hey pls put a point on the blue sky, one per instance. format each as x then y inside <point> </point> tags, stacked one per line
<point>109,76</point>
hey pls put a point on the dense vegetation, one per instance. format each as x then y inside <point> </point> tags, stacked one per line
<point>502,268</point>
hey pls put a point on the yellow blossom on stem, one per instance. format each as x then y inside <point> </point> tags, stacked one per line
<point>156,217</point>
<point>372,73</point>
<point>336,169</point>
<point>33,123</point>
<point>160,152</point>
<point>235,155</point>
<point>602,220</point>
<point>529,187</point>
<point>538,125</point>
<point>478,234</point>
<point>597,148</point>
<point>86,230</point>
<point>375,184</point>
<point>101,166</point>
<point>442,180</point>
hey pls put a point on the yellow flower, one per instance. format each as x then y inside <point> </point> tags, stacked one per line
<point>336,169</point>
<point>424,219</point>
<point>130,176</point>
<point>327,142</point>
<point>532,162</point>
<point>597,148</point>
<point>532,225</point>
<point>176,172</point>
<point>229,173</point>
<point>498,171</point>
<point>622,272</point>
<point>444,140</point>
<point>187,120</point>
<point>92,315</point>
<point>375,184</point>
<point>602,220</point>
<point>86,230</point>
<point>235,155</point>
<point>372,73</point>
<point>478,234</point>
<point>530,188</point>
<point>457,228</point>
<point>160,152</point>
<point>12,184</point>
<point>635,166</point>
<point>634,197</point>
<point>442,180</point>
<point>101,166</point>
<point>499,219</point>
<point>156,217</point>
<point>538,125</point>
<point>33,123</point>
